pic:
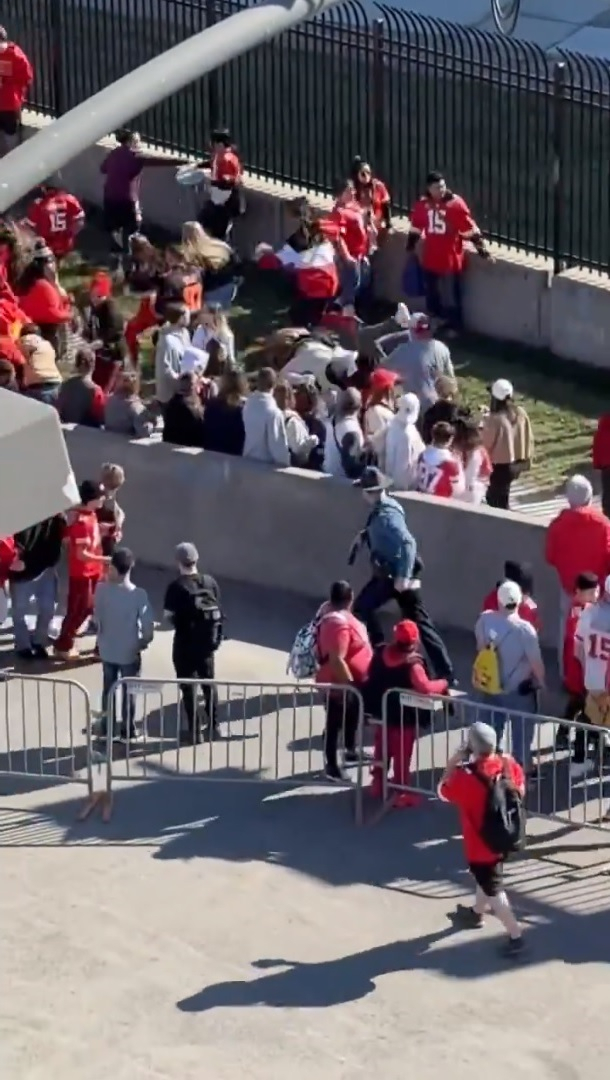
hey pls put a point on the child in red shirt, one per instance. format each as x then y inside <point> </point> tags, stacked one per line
<point>86,565</point>
<point>521,574</point>
<point>586,588</point>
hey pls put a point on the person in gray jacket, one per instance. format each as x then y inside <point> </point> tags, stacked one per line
<point>125,413</point>
<point>172,343</point>
<point>125,627</point>
<point>264,424</point>
<point>420,361</point>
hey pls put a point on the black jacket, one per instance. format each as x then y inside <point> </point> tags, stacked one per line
<point>39,548</point>
<point>223,427</point>
<point>383,677</point>
<point>182,423</point>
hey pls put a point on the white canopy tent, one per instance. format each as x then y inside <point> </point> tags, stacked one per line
<point>36,479</point>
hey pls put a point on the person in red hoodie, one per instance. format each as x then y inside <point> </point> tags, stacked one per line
<point>601,458</point>
<point>41,296</point>
<point>586,591</point>
<point>86,566</point>
<point>521,574</point>
<point>16,77</point>
<point>399,666</point>
<point>577,539</point>
<point>465,783</point>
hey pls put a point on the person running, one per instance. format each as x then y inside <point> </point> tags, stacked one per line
<point>86,565</point>
<point>464,783</point>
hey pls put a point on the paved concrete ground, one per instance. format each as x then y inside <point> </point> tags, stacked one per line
<point>221,929</point>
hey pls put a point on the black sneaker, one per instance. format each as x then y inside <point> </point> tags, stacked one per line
<point>40,652</point>
<point>191,738</point>
<point>467,917</point>
<point>513,948</point>
<point>25,654</point>
<point>334,774</point>
<point>562,739</point>
<point>352,757</point>
<point>210,734</point>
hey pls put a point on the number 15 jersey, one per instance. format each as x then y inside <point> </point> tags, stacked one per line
<point>444,224</point>
<point>593,640</point>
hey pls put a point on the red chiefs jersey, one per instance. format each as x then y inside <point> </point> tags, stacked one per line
<point>16,74</point>
<point>573,675</point>
<point>350,221</point>
<point>443,224</point>
<point>56,217</point>
<point>226,167</point>
<point>440,473</point>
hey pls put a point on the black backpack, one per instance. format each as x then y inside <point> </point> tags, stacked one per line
<point>504,818</point>
<point>207,618</point>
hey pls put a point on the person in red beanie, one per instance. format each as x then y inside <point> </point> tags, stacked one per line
<point>601,458</point>
<point>56,217</point>
<point>16,77</point>
<point>399,666</point>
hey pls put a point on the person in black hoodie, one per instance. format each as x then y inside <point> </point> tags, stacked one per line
<point>183,417</point>
<point>33,575</point>
<point>223,421</point>
<point>399,666</point>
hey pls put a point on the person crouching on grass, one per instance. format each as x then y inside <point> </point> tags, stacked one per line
<point>399,667</point>
<point>465,783</point>
<point>86,566</point>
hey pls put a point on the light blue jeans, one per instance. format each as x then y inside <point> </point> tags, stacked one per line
<point>354,278</point>
<point>520,712</point>
<point>224,296</point>
<point>43,590</point>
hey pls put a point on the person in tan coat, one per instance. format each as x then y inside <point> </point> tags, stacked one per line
<point>41,376</point>
<point>507,436</point>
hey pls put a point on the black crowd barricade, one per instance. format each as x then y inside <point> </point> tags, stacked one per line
<point>522,134</point>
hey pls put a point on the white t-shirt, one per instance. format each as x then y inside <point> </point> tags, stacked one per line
<point>335,433</point>
<point>203,336</point>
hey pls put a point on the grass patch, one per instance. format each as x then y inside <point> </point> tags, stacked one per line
<point>563,400</point>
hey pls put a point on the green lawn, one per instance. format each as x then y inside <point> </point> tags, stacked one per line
<point>563,400</point>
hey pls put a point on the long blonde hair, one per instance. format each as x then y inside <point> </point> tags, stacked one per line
<point>200,249</point>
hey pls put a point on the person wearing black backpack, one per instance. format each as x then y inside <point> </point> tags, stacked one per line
<point>192,606</point>
<point>488,790</point>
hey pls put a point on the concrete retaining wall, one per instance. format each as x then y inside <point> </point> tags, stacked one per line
<point>292,529</point>
<point>516,298</point>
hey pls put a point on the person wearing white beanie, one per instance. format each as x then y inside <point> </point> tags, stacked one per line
<point>404,444</point>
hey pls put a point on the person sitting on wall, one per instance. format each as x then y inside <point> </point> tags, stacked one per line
<point>373,197</point>
<point>226,195</point>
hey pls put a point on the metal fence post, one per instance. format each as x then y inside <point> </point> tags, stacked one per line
<point>57,69</point>
<point>378,97</point>
<point>213,78</point>
<point>559,116</point>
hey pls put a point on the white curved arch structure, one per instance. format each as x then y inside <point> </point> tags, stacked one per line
<point>55,145</point>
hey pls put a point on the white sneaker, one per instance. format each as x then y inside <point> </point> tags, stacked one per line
<point>403,316</point>
<point>579,769</point>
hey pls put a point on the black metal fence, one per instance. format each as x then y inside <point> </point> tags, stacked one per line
<point>523,135</point>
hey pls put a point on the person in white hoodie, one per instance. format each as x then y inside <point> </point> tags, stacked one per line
<point>265,429</point>
<point>404,444</point>
<point>300,441</point>
<point>174,339</point>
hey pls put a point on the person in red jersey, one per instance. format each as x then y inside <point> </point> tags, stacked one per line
<point>226,199</point>
<point>86,565</point>
<point>586,592</point>
<point>465,783</point>
<point>399,666</point>
<point>352,246</point>
<point>373,197</point>
<point>521,574</point>
<point>16,76</point>
<point>601,458</point>
<point>57,217</point>
<point>439,471</point>
<point>440,223</point>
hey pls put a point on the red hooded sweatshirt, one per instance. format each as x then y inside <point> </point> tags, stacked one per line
<point>7,554</point>
<point>16,75</point>
<point>601,443</point>
<point>578,540</point>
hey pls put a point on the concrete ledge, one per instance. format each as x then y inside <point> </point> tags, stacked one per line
<point>516,298</point>
<point>290,529</point>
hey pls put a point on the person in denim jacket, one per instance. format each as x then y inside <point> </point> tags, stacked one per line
<point>396,570</point>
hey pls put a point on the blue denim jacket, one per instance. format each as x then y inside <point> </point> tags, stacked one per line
<point>391,544</point>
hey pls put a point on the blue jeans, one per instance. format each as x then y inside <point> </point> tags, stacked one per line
<point>110,674</point>
<point>43,590</point>
<point>48,393</point>
<point>354,277</point>
<point>520,710</point>
<point>223,296</point>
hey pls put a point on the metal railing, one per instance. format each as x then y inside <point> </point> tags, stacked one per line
<point>45,731</point>
<point>244,731</point>
<point>524,136</point>
<point>438,725</point>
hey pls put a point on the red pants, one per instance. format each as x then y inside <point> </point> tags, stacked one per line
<point>144,319</point>
<point>78,609</point>
<point>400,751</point>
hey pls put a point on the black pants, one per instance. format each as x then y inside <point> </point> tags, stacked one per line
<point>500,481</point>
<point>188,665</point>
<point>342,715</point>
<point>444,297</point>
<point>376,593</point>
<point>605,475</point>
<point>121,217</point>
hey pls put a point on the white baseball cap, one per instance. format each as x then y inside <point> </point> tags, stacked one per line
<point>502,389</point>
<point>509,594</point>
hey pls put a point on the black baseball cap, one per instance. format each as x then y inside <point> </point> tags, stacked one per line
<point>123,560</point>
<point>90,490</point>
<point>587,580</point>
<point>434,177</point>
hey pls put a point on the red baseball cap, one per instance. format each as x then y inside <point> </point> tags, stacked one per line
<point>101,285</point>
<point>383,379</point>
<point>406,633</point>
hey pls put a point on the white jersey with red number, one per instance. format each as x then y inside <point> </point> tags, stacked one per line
<point>592,643</point>
<point>56,218</point>
<point>477,471</point>
<point>439,472</point>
